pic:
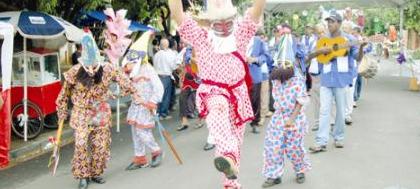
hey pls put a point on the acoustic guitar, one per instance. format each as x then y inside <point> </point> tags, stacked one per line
<point>339,46</point>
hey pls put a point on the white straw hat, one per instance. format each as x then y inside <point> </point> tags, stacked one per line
<point>218,10</point>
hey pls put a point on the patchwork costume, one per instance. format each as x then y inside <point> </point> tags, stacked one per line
<point>280,141</point>
<point>91,114</point>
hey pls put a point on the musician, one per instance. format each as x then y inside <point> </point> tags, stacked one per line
<point>335,77</point>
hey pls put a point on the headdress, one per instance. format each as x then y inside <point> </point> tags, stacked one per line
<point>138,53</point>
<point>90,55</point>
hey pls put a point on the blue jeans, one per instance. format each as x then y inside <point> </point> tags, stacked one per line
<point>358,88</point>
<point>166,100</point>
<point>327,95</point>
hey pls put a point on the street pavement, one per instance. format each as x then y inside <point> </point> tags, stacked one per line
<point>381,152</point>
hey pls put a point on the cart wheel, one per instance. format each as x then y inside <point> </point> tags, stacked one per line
<point>35,123</point>
<point>51,121</point>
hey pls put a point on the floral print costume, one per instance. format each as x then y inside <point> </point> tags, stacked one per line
<point>281,141</point>
<point>222,97</point>
<point>140,117</point>
<point>92,142</point>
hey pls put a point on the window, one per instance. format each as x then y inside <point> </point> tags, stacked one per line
<point>17,71</point>
<point>34,71</point>
<point>51,68</point>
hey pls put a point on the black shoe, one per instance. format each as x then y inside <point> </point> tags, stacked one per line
<point>97,180</point>
<point>226,166</point>
<point>255,129</point>
<point>134,166</point>
<point>156,160</point>
<point>182,127</point>
<point>271,182</point>
<point>208,146</point>
<point>83,184</point>
<point>300,178</point>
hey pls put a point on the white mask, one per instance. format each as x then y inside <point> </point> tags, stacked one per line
<point>222,45</point>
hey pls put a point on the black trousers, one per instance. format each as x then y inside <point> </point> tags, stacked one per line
<point>256,103</point>
<point>271,102</point>
<point>187,103</point>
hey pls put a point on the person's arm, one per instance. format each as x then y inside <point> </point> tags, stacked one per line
<point>361,51</point>
<point>1,100</point>
<point>257,10</point>
<point>291,121</point>
<point>158,89</point>
<point>177,12</point>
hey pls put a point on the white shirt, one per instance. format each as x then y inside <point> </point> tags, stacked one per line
<point>165,61</point>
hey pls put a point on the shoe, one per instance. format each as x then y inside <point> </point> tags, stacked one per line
<point>271,182</point>
<point>83,184</point>
<point>156,160</point>
<point>199,125</point>
<point>182,127</point>
<point>270,113</point>
<point>339,144</point>
<point>318,148</point>
<point>226,166</point>
<point>348,121</point>
<point>208,146</point>
<point>300,178</point>
<point>97,180</point>
<point>134,166</point>
<point>255,129</point>
<point>315,127</point>
<point>167,117</point>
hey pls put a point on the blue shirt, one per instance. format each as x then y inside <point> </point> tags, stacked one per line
<point>335,79</point>
<point>259,51</point>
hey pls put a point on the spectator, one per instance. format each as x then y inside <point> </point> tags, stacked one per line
<point>164,63</point>
<point>76,55</point>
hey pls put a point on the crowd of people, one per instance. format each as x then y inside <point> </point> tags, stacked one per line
<point>230,73</point>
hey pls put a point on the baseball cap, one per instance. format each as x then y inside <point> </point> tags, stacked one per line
<point>334,15</point>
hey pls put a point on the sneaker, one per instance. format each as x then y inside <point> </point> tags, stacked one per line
<point>339,144</point>
<point>134,166</point>
<point>167,117</point>
<point>208,146</point>
<point>348,121</point>
<point>271,182</point>
<point>315,127</point>
<point>199,125</point>
<point>182,127</point>
<point>83,184</point>
<point>226,166</point>
<point>270,113</point>
<point>318,148</point>
<point>255,129</point>
<point>156,160</point>
<point>300,178</point>
<point>98,180</point>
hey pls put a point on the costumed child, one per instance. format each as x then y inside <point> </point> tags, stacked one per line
<point>141,116</point>
<point>288,125</point>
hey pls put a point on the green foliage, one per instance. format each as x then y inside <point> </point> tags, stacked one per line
<point>412,15</point>
<point>378,20</point>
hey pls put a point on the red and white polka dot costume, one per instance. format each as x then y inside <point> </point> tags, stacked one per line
<point>223,96</point>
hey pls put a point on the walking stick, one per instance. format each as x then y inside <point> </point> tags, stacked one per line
<point>55,157</point>
<point>164,135</point>
<point>56,142</point>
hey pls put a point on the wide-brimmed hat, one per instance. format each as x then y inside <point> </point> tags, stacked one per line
<point>218,10</point>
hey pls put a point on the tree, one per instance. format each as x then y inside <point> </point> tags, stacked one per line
<point>412,15</point>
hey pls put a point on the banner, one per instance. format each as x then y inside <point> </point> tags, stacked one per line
<point>6,56</point>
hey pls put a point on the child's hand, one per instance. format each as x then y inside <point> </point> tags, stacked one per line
<point>150,105</point>
<point>290,125</point>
